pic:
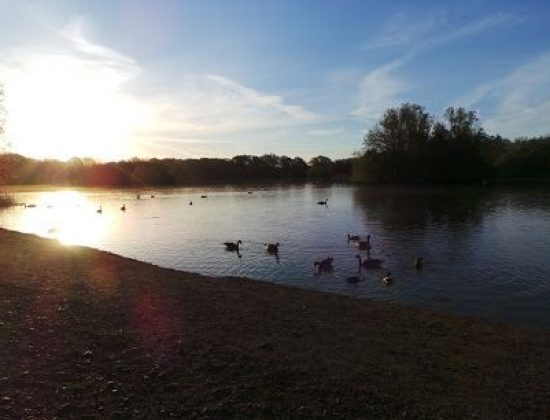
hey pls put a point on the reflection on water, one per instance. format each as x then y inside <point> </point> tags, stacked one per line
<point>484,251</point>
<point>69,216</point>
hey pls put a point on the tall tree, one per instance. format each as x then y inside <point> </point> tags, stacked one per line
<point>399,142</point>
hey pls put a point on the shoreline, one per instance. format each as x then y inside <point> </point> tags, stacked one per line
<point>116,337</point>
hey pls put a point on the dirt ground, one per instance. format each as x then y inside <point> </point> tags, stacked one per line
<point>85,333</point>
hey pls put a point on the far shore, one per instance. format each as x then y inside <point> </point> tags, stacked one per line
<point>86,333</point>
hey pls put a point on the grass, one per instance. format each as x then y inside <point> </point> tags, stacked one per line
<point>85,333</point>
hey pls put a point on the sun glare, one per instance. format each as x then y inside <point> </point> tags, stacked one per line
<point>68,216</point>
<point>62,106</point>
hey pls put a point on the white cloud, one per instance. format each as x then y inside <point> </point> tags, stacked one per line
<point>518,104</point>
<point>382,88</point>
<point>89,96</point>
<point>402,31</point>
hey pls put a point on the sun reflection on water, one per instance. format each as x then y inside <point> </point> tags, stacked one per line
<point>69,216</point>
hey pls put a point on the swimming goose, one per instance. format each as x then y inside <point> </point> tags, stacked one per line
<point>123,208</point>
<point>323,203</point>
<point>99,210</point>
<point>272,248</point>
<point>232,246</point>
<point>369,262</point>
<point>324,265</point>
<point>364,244</point>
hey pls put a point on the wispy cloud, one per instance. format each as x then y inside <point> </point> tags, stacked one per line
<point>402,31</point>
<point>382,88</point>
<point>518,104</point>
<point>86,89</point>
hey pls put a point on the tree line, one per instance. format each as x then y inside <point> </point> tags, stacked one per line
<point>169,172</point>
<point>408,145</point>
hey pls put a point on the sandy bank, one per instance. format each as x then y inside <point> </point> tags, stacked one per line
<point>87,333</point>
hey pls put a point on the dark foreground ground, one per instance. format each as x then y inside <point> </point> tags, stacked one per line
<point>90,334</point>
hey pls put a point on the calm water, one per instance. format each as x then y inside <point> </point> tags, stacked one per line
<point>486,252</point>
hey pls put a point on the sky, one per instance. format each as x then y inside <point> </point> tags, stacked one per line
<point>215,78</point>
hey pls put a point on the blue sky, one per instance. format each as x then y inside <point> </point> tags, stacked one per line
<point>115,79</point>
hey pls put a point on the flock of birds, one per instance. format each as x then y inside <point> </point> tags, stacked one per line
<point>324,265</point>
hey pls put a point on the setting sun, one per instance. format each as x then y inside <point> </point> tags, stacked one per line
<point>63,106</point>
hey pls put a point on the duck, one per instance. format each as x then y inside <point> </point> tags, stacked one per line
<point>99,210</point>
<point>417,262</point>
<point>369,262</point>
<point>138,196</point>
<point>387,279</point>
<point>324,265</point>
<point>123,208</point>
<point>152,195</point>
<point>353,238</point>
<point>232,246</point>
<point>204,196</point>
<point>29,206</point>
<point>323,203</point>
<point>272,248</point>
<point>190,203</point>
<point>364,244</point>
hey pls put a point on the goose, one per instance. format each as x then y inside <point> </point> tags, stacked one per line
<point>123,208</point>
<point>364,244</point>
<point>323,203</point>
<point>152,195</point>
<point>99,210</point>
<point>138,196</point>
<point>204,196</point>
<point>272,248</point>
<point>353,238</point>
<point>369,262</point>
<point>324,265</point>
<point>388,279</point>
<point>232,246</point>
<point>190,203</point>
<point>29,206</point>
<point>417,262</point>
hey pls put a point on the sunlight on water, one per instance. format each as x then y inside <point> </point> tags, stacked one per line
<point>69,216</point>
<point>485,251</point>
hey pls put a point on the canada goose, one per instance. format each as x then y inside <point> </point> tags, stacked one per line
<point>29,206</point>
<point>232,246</point>
<point>353,238</point>
<point>152,195</point>
<point>417,262</point>
<point>388,279</point>
<point>324,265</point>
<point>204,196</point>
<point>364,244</point>
<point>190,203</point>
<point>99,210</point>
<point>123,208</point>
<point>323,203</point>
<point>369,262</point>
<point>272,248</point>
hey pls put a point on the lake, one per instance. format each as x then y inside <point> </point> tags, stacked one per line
<point>486,252</point>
